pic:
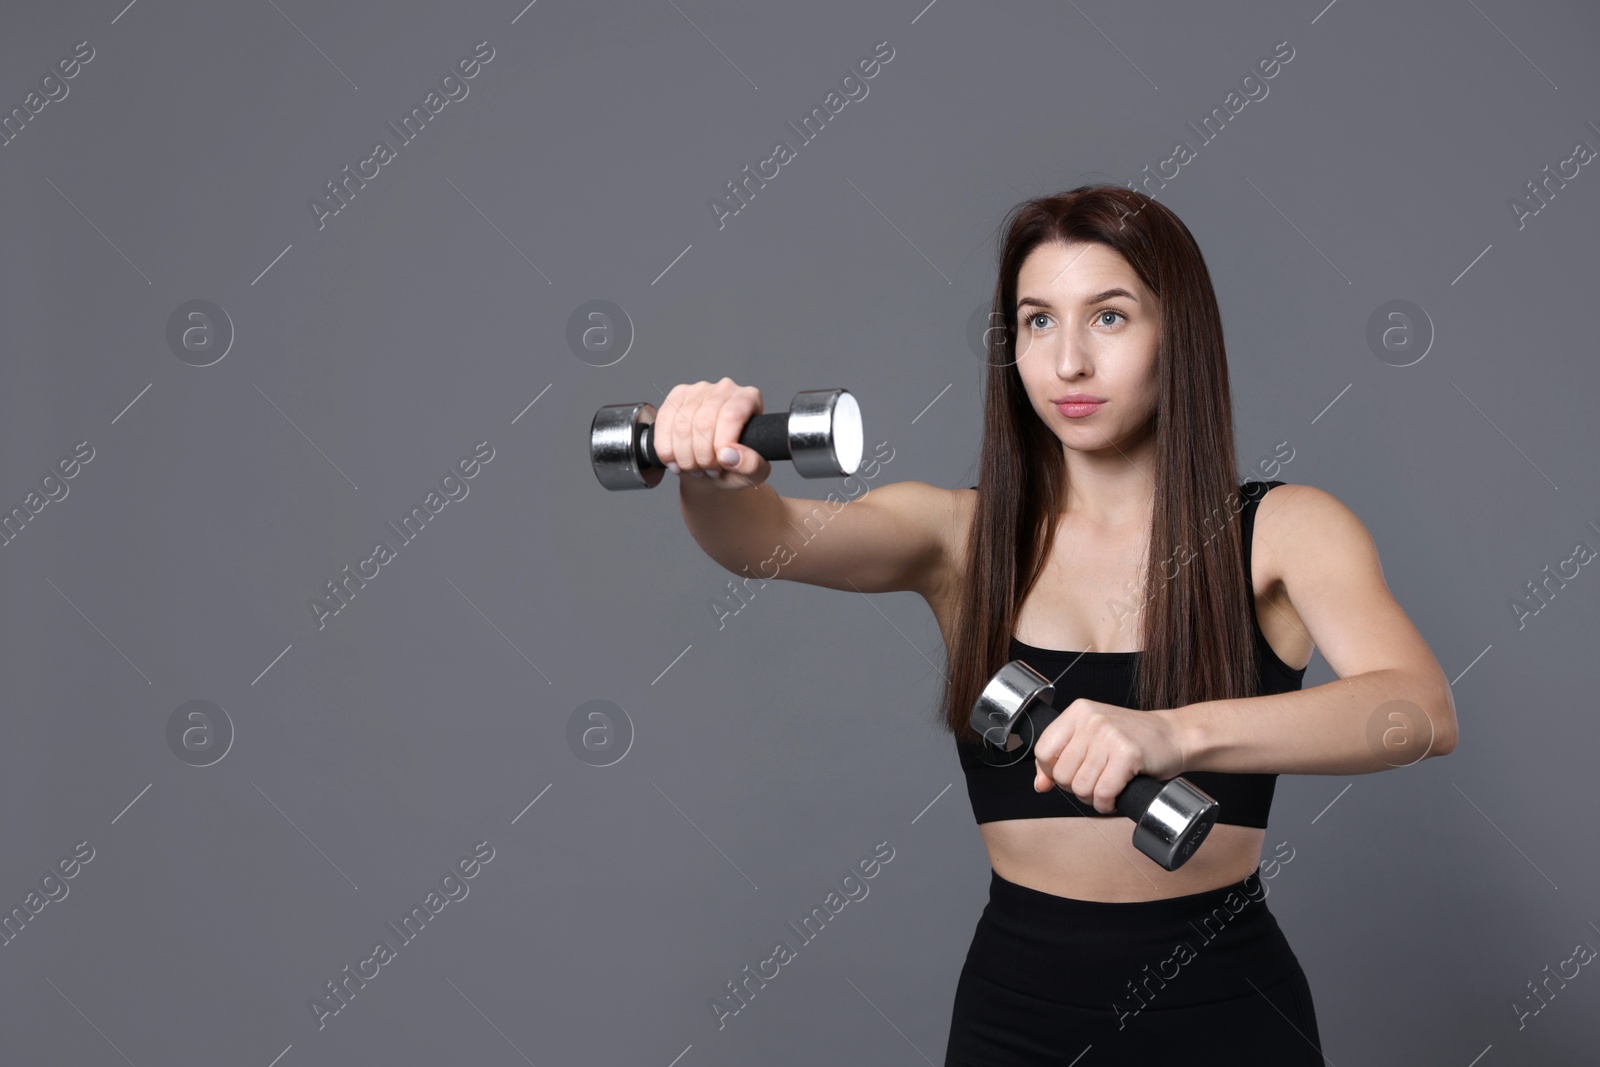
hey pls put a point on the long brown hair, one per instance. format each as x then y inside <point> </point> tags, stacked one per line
<point>1197,633</point>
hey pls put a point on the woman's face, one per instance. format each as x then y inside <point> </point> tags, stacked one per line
<point>1087,325</point>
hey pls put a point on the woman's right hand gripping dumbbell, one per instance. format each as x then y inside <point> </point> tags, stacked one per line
<point>697,430</point>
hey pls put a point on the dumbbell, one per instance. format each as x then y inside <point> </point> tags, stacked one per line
<point>821,432</point>
<point>1170,818</point>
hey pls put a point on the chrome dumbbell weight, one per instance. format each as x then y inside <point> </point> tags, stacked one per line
<point>1170,818</point>
<point>821,432</point>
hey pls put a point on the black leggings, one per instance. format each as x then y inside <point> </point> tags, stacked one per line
<point>1206,978</point>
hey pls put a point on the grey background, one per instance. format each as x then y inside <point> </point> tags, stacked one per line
<point>769,756</point>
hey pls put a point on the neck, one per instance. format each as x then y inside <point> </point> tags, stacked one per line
<point>1114,490</point>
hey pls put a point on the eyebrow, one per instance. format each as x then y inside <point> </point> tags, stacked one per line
<point>1095,299</point>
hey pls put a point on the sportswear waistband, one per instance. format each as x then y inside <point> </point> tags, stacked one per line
<point>1130,914</point>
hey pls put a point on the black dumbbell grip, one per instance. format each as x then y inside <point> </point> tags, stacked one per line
<point>767,434</point>
<point>1135,798</point>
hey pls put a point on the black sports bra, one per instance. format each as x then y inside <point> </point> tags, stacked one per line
<point>1000,785</point>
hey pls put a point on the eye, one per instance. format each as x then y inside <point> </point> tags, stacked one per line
<point>1110,311</point>
<point>1035,315</point>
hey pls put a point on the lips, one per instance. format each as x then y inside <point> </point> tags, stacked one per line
<point>1077,409</point>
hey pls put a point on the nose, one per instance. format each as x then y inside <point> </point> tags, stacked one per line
<point>1070,355</point>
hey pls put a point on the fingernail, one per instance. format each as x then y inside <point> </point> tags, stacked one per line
<point>673,466</point>
<point>729,456</point>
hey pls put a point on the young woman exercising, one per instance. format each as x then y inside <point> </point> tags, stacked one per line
<point>1108,520</point>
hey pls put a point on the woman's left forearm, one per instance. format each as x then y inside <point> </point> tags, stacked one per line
<point>1373,721</point>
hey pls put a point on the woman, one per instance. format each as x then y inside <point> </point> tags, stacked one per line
<point>1108,520</point>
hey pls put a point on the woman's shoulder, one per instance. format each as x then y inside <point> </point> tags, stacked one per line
<point>1273,495</point>
<point>1295,524</point>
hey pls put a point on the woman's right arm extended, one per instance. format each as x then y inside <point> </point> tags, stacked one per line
<point>895,537</point>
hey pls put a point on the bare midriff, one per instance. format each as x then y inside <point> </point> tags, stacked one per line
<point>1094,858</point>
